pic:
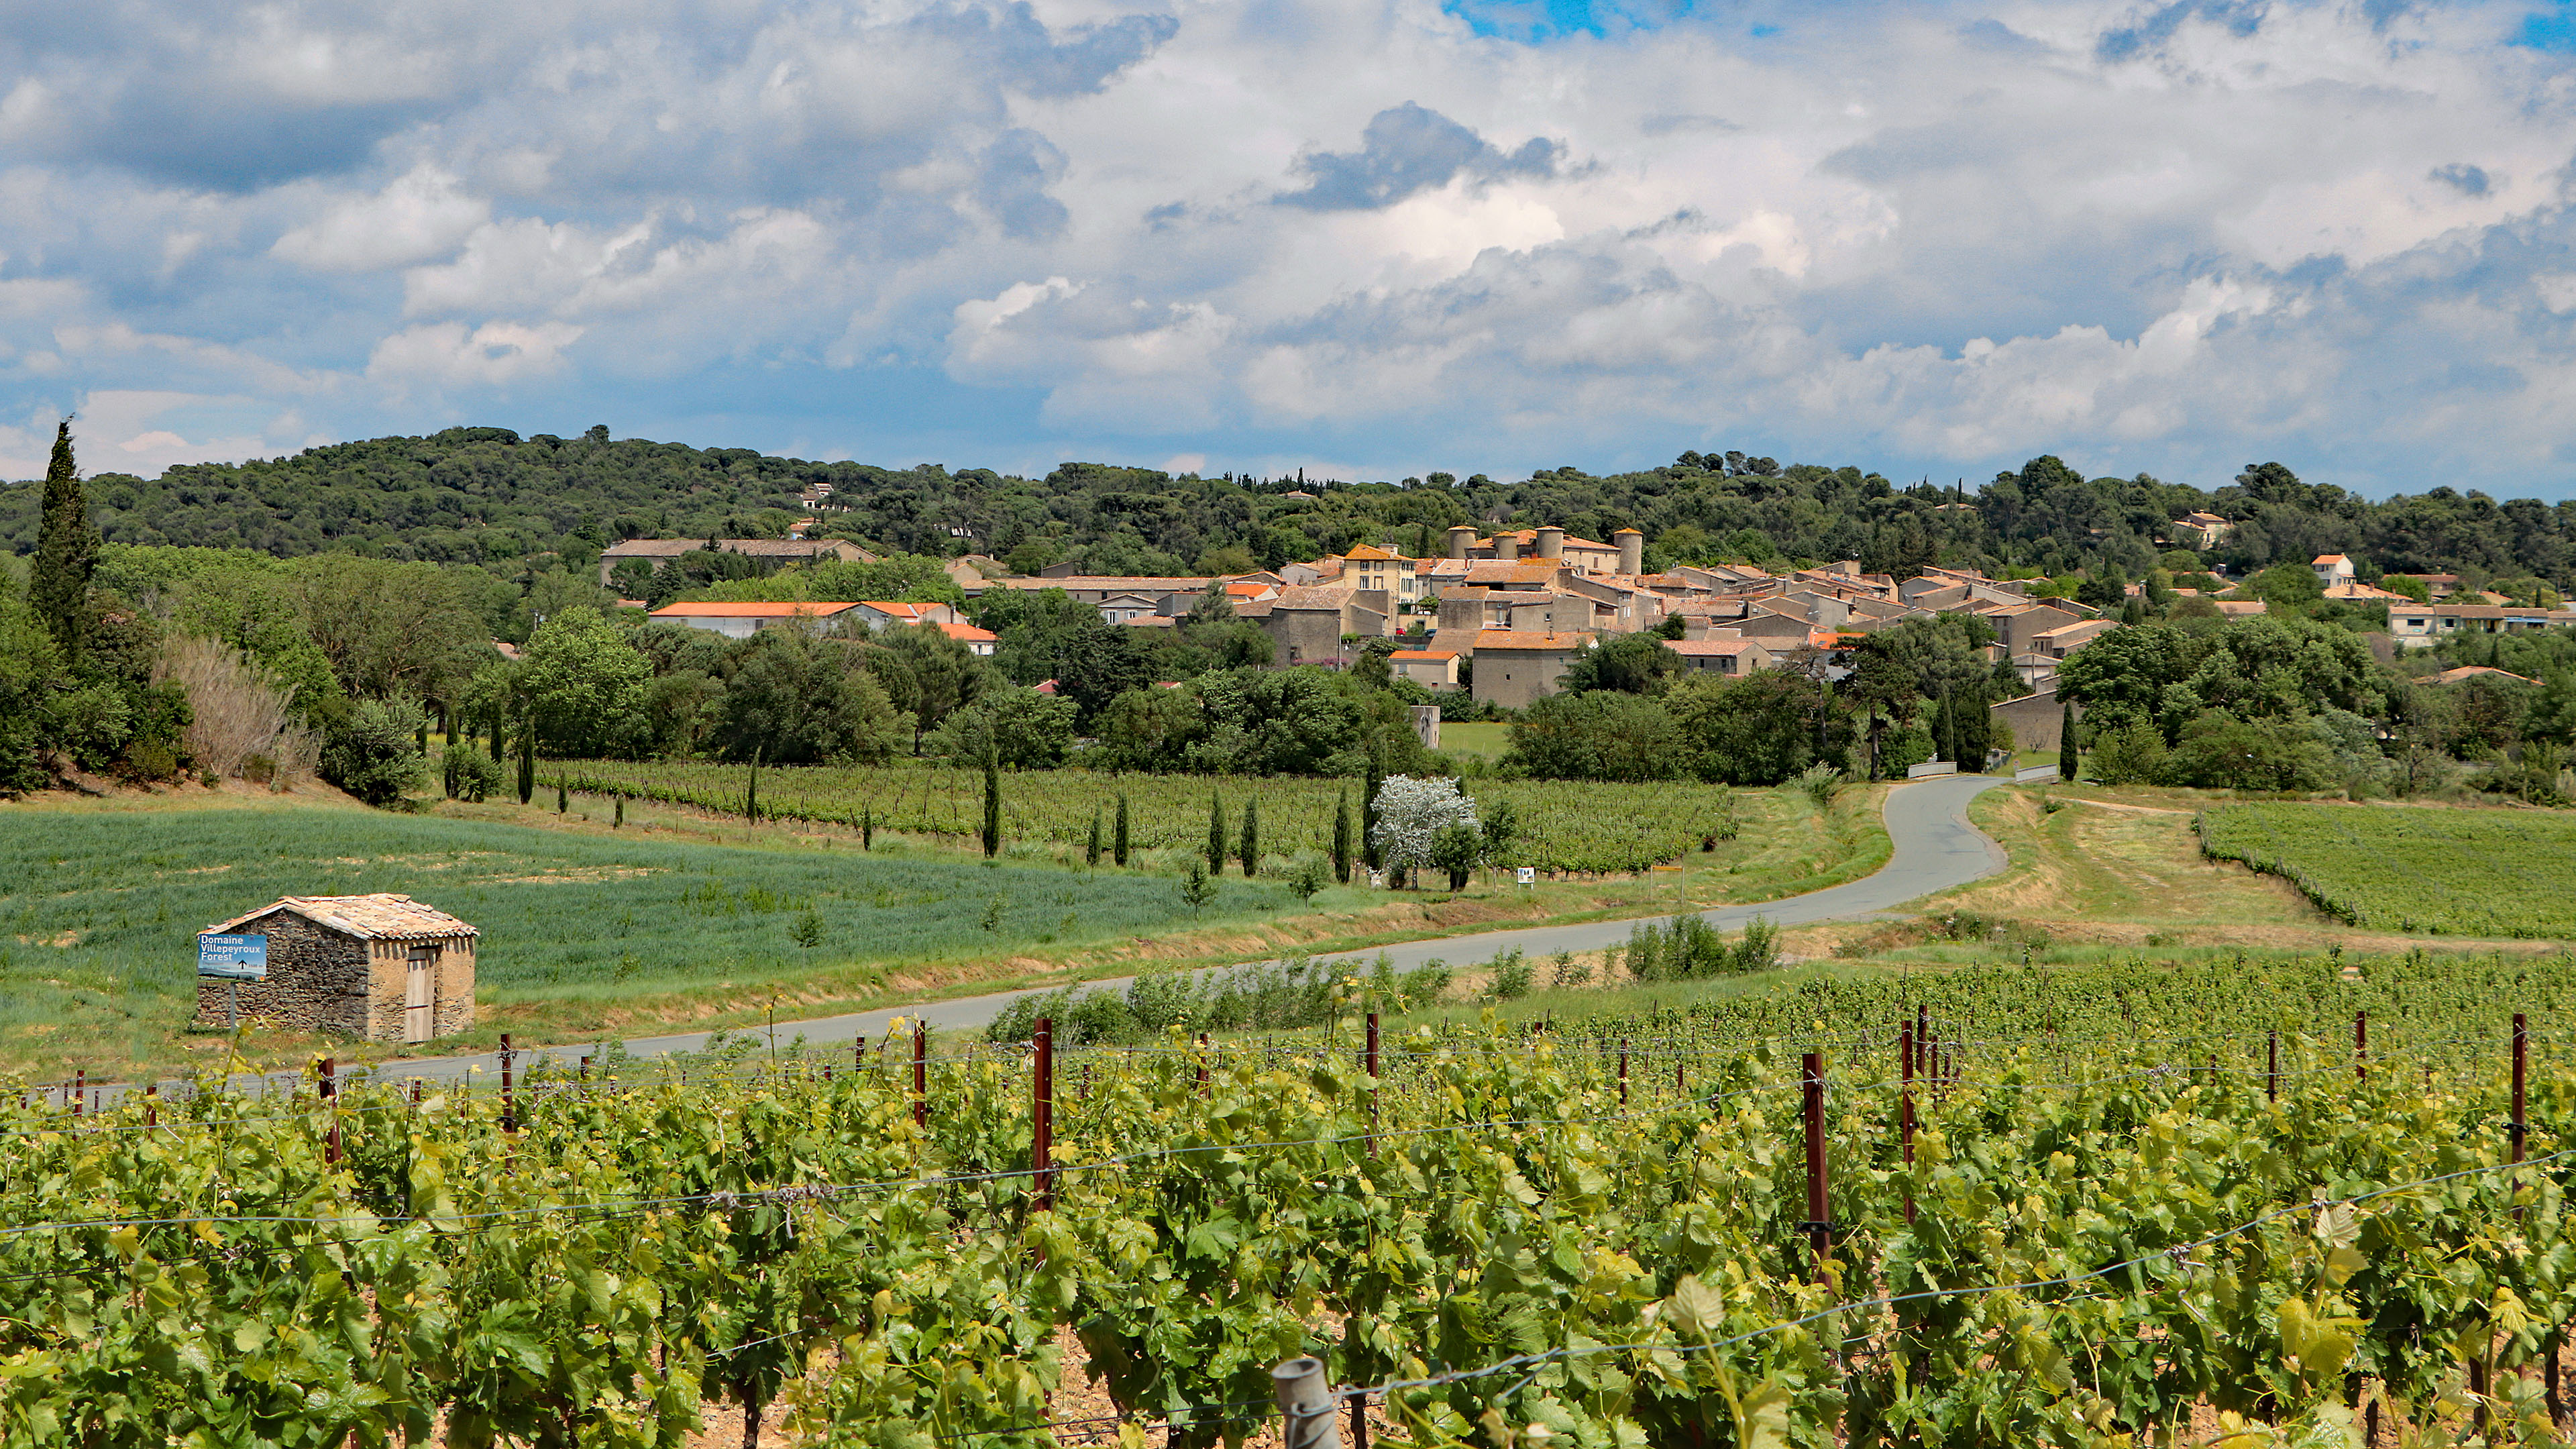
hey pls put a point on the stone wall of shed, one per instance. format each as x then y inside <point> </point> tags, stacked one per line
<point>453,1010</point>
<point>317,980</point>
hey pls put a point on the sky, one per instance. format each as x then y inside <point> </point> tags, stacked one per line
<point>1367,238</point>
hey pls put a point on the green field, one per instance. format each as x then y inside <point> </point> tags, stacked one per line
<point>1487,740</point>
<point>1565,826</point>
<point>2453,872</point>
<point>99,912</point>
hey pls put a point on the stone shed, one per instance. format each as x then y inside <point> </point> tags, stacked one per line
<point>383,967</point>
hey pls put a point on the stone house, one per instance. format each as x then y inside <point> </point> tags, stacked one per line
<point>383,967</point>
<point>1733,658</point>
<point>1430,668</point>
<point>1514,668</point>
<point>1308,625</point>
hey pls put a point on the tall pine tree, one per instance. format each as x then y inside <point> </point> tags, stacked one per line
<point>2067,761</point>
<point>66,550</point>
<point>1216,836</point>
<point>1248,849</point>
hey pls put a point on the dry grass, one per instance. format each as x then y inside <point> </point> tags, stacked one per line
<point>235,713</point>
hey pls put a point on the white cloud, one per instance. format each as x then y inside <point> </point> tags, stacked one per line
<point>420,214</point>
<point>2142,236</point>
<point>496,352</point>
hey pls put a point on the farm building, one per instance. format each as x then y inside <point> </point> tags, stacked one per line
<point>383,967</point>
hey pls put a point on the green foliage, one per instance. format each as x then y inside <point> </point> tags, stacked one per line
<point>371,753</point>
<point>2133,754</point>
<point>1216,836</point>
<point>1604,735</point>
<point>1342,836</point>
<point>1091,844</point>
<point>2221,752</point>
<point>1198,885</point>
<point>793,699</point>
<point>2457,872</point>
<point>1760,729</point>
<point>1457,850</point>
<point>992,831</point>
<point>1308,876</point>
<point>1118,846</point>
<point>926,674</point>
<point>584,685</point>
<point>67,544</point>
<point>1629,663</point>
<point>1016,726</point>
<point>1513,975</point>
<point>1688,947</point>
<point>1248,844</point>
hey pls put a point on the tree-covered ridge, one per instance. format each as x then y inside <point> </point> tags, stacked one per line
<point>490,496</point>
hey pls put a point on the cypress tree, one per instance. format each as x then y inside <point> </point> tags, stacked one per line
<point>1342,838</point>
<point>751,793</point>
<point>2066,760</point>
<point>1216,836</point>
<point>1091,846</point>
<point>563,798</point>
<point>66,551</point>
<point>1368,815</point>
<point>1947,724</point>
<point>527,762</point>
<point>1250,854</point>
<point>992,808</point>
<point>868,827</point>
<point>620,822</point>
<point>1118,840</point>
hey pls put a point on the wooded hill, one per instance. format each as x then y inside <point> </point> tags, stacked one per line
<point>491,497</point>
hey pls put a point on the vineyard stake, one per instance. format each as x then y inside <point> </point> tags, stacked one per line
<point>1358,1430</point>
<point>80,1089</point>
<point>2361,1046</point>
<point>1203,1063</point>
<point>920,1075</point>
<point>1905,1105</point>
<point>1042,1114</point>
<point>1305,1405</point>
<point>329,1086</point>
<point>1623,1071</point>
<point>152,1105</point>
<point>2517,1128</point>
<point>509,1101</point>
<point>1811,1070</point>
<point>2272,1066</point>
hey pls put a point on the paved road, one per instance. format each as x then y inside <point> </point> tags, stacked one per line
<point>1927,822</point>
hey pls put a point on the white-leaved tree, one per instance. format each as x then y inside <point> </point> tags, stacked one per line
<point>1411,813</point>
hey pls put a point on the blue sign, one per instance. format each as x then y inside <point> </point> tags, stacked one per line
<point>233,958</point>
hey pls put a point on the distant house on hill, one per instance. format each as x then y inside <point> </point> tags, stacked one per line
<point>660,551</point>
<point>382,967</point>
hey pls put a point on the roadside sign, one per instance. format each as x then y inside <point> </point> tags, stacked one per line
<point>233,958</point>
<point>1377,880</point>
<point>1528,874</point>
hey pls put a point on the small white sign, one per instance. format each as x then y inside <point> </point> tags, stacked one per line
<point>1528,874</point>
<point>1377,880</point>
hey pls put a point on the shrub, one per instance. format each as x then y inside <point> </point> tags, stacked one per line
<point>1512,975</point>
<point>370,753</point>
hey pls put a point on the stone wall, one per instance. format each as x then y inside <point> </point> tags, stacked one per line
<point>317,980</point>
<point>452,1000</point>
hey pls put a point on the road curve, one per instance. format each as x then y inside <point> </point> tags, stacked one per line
<point>1935,848</point>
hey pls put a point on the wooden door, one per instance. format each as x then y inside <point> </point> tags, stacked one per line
<point>420,995</point>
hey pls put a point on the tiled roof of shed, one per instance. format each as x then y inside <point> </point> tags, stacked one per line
<point>377,917</point>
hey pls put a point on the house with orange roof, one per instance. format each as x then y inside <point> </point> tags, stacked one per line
<point>1431,668</point>
<point>2332,569</point>
<point>741,620</point>
<point>1732,658</point>
<point>1382,570</point>
<point>890,614</point>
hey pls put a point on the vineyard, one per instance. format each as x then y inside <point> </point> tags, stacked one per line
<point>1564,826</point>
<point>2066,1212</point>
<point>2456,872</point>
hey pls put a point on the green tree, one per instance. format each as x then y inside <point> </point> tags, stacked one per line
<point>1249,847</point>
<point>1456,849</point>
<point>794,700</point>
<point>992,809</point>
<point>926,673</point>
<point>527,760</point>
<point>370,754</point>
<point>1118,839</point>
<point>1018,726</point>
<point>586,685</point>
<point>1342,837</point>
<point>67,545</point>
<point>1091,843</point>
<point>1759,729</point>
<point>1216,836</point>
<point>1628,663</point>
<point>1605,735</point>
<point>2067,761</point>
<point>1198,886</point>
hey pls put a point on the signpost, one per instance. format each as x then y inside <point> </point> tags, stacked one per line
<point>1528,874</point>
<point>232,960</point>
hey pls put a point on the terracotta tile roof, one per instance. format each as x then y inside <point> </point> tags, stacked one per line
<point>1371,553</point>
<point>2471,671</point>
<point>378,917</point>
<point>1707,647</point>
<point>968,633</point>
<point>709,609</point>
<point>1493,571</point>
<point>1423,654</point>
<point>1314,596</point>
<point>898,610</point>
